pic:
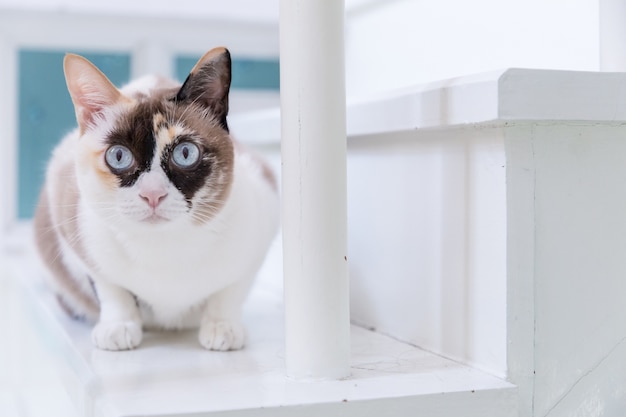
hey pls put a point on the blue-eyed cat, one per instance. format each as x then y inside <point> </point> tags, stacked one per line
<point>151,214</point>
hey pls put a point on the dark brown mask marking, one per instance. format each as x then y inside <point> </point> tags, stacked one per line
<point>188,181</point>
<point>199,107</point>
<point>134,131</point>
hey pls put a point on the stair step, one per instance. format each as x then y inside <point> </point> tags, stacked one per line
<point>171,375</point>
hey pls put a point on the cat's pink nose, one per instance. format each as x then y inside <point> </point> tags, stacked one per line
<point>153,196</point>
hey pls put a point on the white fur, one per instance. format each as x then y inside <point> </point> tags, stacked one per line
<point>184,273</point>
<point>187,274</point>
<point>177,265</point>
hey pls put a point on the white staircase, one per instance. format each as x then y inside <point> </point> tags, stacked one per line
<point>171,375</point>
<point>486,226</point>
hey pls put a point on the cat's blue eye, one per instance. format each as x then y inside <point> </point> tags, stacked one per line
<point>186,155</point>
<point>119,158</point>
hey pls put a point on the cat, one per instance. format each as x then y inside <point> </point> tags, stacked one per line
<point>151,215</point>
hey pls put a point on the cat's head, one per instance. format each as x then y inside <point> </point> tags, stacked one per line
<point>153,152</point>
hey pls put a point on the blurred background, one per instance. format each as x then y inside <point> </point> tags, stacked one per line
<point>390,44</point>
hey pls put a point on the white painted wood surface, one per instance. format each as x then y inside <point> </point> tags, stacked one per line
<point>401,43</point>
<point>521,172</point>
<point>612,15</point>
<point>171,375</point>
<point>575,171</point>
<point>314,213</point>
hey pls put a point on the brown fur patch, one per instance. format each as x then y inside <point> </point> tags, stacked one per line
<point>268,173</point>
<point>219,182</point>
<point>47,241</point>
<point>95,159</point>
<point>172,131</point>
<point>158,122</point>
<point>164,132</point>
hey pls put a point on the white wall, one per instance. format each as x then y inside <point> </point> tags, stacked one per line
<point>397,43</point>
<point>612,35</point>
<point>254,11</point>
<point>427,230</point>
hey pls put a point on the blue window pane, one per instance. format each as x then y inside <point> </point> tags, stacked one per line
<point>248,74</point>
<point>46,113</point>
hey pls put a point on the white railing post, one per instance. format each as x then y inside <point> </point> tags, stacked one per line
<point>612,35</point>
<point>312,90</point>
<point>152,58</point>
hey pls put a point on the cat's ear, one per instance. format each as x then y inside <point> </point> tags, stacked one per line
<point>90,89</point>
<point>208,84</point>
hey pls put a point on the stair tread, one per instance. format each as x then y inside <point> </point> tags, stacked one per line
<point>171,374</point>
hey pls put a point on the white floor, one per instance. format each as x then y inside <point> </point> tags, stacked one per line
<point>30,385</point>
<point>48,368</point>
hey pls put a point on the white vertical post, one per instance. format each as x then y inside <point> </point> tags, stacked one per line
<point>152,58</point>
<point>313,112</point>
<point>613,35</point>
<point>9,133</point>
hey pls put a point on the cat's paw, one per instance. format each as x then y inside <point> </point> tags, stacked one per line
<point>222,335</point>
<point>117,335</point>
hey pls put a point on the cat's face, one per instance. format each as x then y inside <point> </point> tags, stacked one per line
<point>154,155</point>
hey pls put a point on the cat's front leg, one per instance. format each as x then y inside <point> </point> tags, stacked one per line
<point>221,327</point>
<point>119,326</point>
